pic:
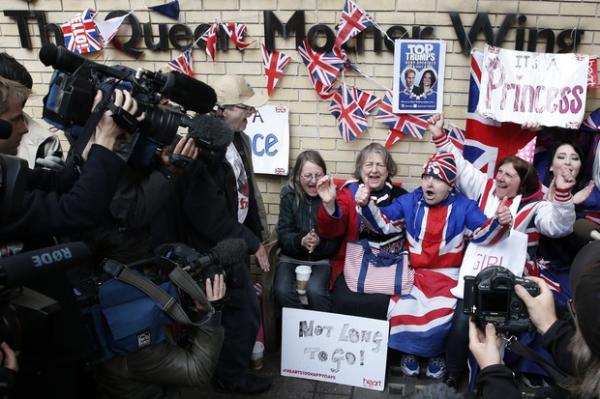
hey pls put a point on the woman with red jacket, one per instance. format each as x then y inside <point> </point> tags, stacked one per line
<point>337,218</point>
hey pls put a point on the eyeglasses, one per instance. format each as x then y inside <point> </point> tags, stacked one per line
<point>310,176</point>
<point>246,108</point>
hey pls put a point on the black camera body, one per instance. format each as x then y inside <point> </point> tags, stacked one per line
<point>490,298</point>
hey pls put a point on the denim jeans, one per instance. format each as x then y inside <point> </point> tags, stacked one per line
<point>317,290</point>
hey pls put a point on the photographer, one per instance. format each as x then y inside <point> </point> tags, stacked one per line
<point>574,344</point>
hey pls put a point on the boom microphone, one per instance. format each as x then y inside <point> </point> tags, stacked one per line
<point>60,58</point>
<point>587,230</point>
<point>5,129</point>
<point>209,132</point>
<point>190,93</point>
<point>18,269</point>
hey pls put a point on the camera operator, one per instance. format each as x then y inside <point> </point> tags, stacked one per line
<point>44,214</point>
<point>161,370</point>
<point>574,343</point>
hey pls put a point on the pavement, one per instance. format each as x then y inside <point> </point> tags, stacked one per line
<point>397,386</point>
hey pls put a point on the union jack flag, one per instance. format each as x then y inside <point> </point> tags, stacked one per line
<point>366,101</point>
<point>236,33</point>
<point>322,68</point>
<point>400,124</point>
<point>486,140</point>
<point>353,20</point>
<point>210,38</point>
<point>183,63</point>
<point>274,63</point>
<point>350,118</point>
<point>456,136</point>
<point>81,36</point>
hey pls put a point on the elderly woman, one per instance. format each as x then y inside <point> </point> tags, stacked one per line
<point>515,181</point>
<point>337,218</point>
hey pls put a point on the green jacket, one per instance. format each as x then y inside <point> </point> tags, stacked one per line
<point>295,221</point>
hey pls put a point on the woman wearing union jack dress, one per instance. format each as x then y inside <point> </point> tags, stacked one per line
<point>517,183</point>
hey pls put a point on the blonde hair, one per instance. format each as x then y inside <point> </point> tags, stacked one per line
<point>11,89</point>
<point>587,368</point>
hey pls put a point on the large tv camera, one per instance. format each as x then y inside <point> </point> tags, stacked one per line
<point>71,95</point>
<point>490,298</point>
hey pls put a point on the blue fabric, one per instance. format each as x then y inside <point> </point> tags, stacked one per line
<point>133,319</point>
<point>421,343</point>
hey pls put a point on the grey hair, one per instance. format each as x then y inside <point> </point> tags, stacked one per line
<point>587,368</point>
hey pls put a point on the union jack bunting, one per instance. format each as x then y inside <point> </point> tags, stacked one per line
<point>322,68</point>
<point>81,36</point>
<point>210,39</point>
<point>274,64</point>
<point>350,118</point>
<point>366,101</point>
<point>353,20</point>
<point>407,124</point>
<point>183,63</point>
<point>236,33</point>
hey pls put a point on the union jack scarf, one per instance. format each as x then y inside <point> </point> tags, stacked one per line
<point>353,20</point>
<point>350,118</point>
<point>274,64</point>
<point>81,36</point>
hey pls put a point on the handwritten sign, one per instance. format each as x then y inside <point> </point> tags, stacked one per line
<point>510,253</point>
<point>521,86</point>
<point>334,348</point>
<point>269,131</point>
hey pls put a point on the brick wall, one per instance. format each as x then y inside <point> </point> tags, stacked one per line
<point>311,124</point>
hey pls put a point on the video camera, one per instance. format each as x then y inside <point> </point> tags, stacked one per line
<point>224,258</point>
<point>72,91</point>
<point>490,298</point>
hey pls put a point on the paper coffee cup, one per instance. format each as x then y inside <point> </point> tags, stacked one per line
<point>302,277</point>
<point>257,355</point>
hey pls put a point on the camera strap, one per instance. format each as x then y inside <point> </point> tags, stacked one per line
<point>168,304</point>
<point>561,378</point>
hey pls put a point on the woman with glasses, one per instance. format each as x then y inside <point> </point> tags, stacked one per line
<point>299,236</point>
<point>338,219</point>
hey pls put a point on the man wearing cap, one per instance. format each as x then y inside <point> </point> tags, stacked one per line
<point>436,219</point>
<point>234,176</point>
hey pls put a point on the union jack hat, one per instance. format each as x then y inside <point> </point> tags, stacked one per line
<point>442,166</point>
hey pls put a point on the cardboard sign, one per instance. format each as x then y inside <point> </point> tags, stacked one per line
<point>521,86</point>
<point>334,348</point>
<point>510,253</point>
<point>269,131</point>
<point>419,76</point>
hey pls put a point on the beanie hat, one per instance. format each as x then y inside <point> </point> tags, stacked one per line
<point>442,166</point>
<point>585,286</point>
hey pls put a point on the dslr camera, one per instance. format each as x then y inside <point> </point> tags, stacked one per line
<point>490,298</point>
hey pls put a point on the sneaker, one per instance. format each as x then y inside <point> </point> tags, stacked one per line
<point>436,368</point>
<point>409,365</point>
